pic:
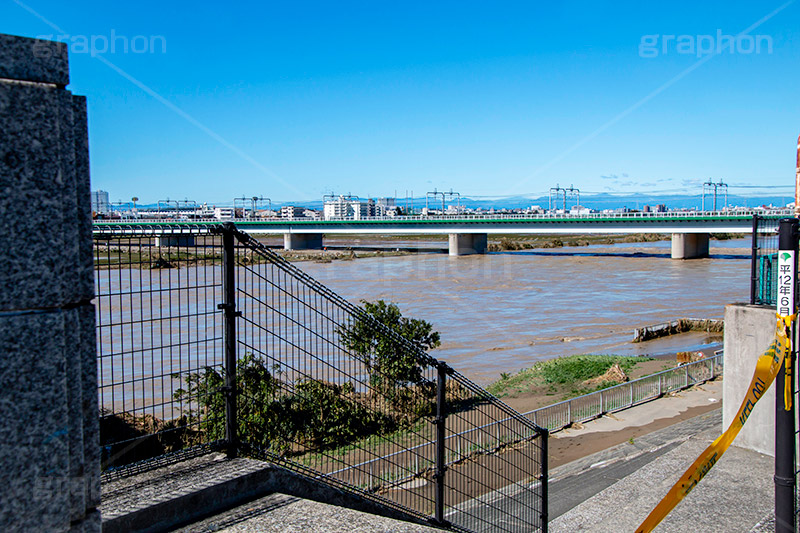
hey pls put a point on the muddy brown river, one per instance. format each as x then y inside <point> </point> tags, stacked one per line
<point>504,311</point>
<point>496,313</point>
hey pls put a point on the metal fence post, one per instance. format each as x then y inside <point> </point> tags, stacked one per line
<point>441,417</point>
<point>785,519</point>
<point>229,312</point>
<point>754,261</point>
<point>544,516</point>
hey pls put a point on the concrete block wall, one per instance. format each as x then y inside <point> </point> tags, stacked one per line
<point>749,330</point>
<point>49,438</point>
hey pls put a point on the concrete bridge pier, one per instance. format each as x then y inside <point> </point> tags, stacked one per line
<point>689,245</point>
<point>302,241</point>
<point>175,240</point>
<point>468,243</point>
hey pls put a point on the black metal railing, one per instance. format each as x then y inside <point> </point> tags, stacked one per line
<point>157,318</point>
<point>211,340</point>
<point>764,261</point>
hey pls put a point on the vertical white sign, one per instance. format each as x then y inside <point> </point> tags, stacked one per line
<point>785,282</point>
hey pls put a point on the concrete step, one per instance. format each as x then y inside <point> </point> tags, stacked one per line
<point>290,514</point>
<point>168,496</point>
<point>207,492</point>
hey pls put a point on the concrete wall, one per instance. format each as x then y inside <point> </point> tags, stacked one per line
<point>749,330</point>
<point>689,245</point>
<point>49,442</point>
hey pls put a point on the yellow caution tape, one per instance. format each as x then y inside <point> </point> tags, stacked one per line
<point>786,322</point>
<point>787,385</point>
<point>767,367</point>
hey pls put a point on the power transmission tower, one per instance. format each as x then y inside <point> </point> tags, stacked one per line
<point>712,189</point>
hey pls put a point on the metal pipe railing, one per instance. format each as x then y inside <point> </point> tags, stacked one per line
<point>580,409</point>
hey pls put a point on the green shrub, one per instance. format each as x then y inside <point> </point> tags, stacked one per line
<point>272,414</point>
<point>390,364</point>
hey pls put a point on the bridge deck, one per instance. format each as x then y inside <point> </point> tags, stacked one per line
<point>686,222</point>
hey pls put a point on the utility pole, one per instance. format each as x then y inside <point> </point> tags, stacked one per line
<point>444,196</point>
<point>253,200</point>
<point>167,202</point>
<point>712,188</point>
<point>558,191</point>
<point>573,192</point>
<point>785,503</point>
<point>562,193</point>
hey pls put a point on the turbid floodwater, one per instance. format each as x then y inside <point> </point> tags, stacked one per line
<point>504,311</point>
<point>496,313</point>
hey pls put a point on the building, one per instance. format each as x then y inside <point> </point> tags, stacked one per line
<point>266,213</point>
<point>385,207</point>
<point>579,210</point>
<point>223,213</point>
<point>339,208</point>
<point>368,209</point>
<point>350,207</point>
<point>292,211</point>
<point>100,203</point>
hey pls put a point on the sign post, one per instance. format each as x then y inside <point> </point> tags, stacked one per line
<point>785,520</point>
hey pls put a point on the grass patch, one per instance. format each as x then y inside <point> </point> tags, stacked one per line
<point>564,374</point>
<point>517,242</point>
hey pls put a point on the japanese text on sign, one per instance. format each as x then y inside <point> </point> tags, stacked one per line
<point>785,282</point>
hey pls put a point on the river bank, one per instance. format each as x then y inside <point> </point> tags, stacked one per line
<point>338,247</point>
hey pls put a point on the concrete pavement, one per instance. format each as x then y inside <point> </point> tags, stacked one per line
<point>630,479</point>
<point>611,490</point>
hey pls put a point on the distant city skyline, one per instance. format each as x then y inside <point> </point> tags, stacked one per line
<point>296,101</point>
<point>603,201</point>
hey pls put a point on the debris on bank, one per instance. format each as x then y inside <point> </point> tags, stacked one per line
<point>674,327</point>
<point>682,358</point>
<point>615,375</point>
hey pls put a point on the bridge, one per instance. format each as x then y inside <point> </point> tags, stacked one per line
<point>468,234</point>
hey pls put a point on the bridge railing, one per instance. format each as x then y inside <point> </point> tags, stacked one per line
<point>208,340</point>
<point>738,213</point>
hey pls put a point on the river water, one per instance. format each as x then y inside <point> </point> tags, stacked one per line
<point>496,313</point>
<point>504,311</point>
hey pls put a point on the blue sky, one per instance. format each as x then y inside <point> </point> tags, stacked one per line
<point>295,100</point>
